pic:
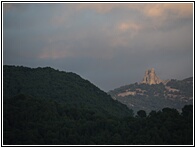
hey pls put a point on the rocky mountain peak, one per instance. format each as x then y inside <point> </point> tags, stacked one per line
<point>150,77</point>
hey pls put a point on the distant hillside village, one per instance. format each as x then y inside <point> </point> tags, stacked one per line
<point>152,93</point>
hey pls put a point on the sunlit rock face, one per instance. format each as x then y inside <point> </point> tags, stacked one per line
<point>150,77</point>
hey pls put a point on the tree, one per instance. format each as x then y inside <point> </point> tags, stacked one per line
<point>152,113</point>
<point>187,111</point>
<point>141,113</point>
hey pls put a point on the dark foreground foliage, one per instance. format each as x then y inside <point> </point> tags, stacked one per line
<point>30,121</point>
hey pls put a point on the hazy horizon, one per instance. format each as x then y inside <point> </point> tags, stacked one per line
<point>109,44</point>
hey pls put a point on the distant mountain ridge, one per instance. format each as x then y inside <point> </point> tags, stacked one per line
<point>154,94</point>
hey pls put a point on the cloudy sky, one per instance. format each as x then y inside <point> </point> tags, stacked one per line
<point>110,44</point>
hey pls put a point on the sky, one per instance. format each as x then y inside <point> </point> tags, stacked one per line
<point>109,44</point>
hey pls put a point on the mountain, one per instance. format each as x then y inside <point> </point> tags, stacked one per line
<point>66,87</point>
<point>43,106</point>
<point>155,94</point>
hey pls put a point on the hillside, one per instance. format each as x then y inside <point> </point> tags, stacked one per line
<point>150,95</point>
<point>43,106</point>
<point>47,83</point>
<point>31,121</point>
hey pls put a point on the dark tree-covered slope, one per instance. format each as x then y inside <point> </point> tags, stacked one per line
<point>47,83</point>
<point>43,106</point>
<point>31,121</point>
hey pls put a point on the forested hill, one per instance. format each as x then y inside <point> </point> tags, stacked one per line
<point>43,106</point>
<point>140,96</point>
<point>66,87</point>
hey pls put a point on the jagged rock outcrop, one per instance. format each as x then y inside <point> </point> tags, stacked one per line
<point>150,77</point>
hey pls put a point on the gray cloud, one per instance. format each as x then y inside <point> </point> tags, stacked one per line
<point>110,45</point>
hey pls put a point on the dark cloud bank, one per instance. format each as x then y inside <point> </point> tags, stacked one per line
<point>110,45</point>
